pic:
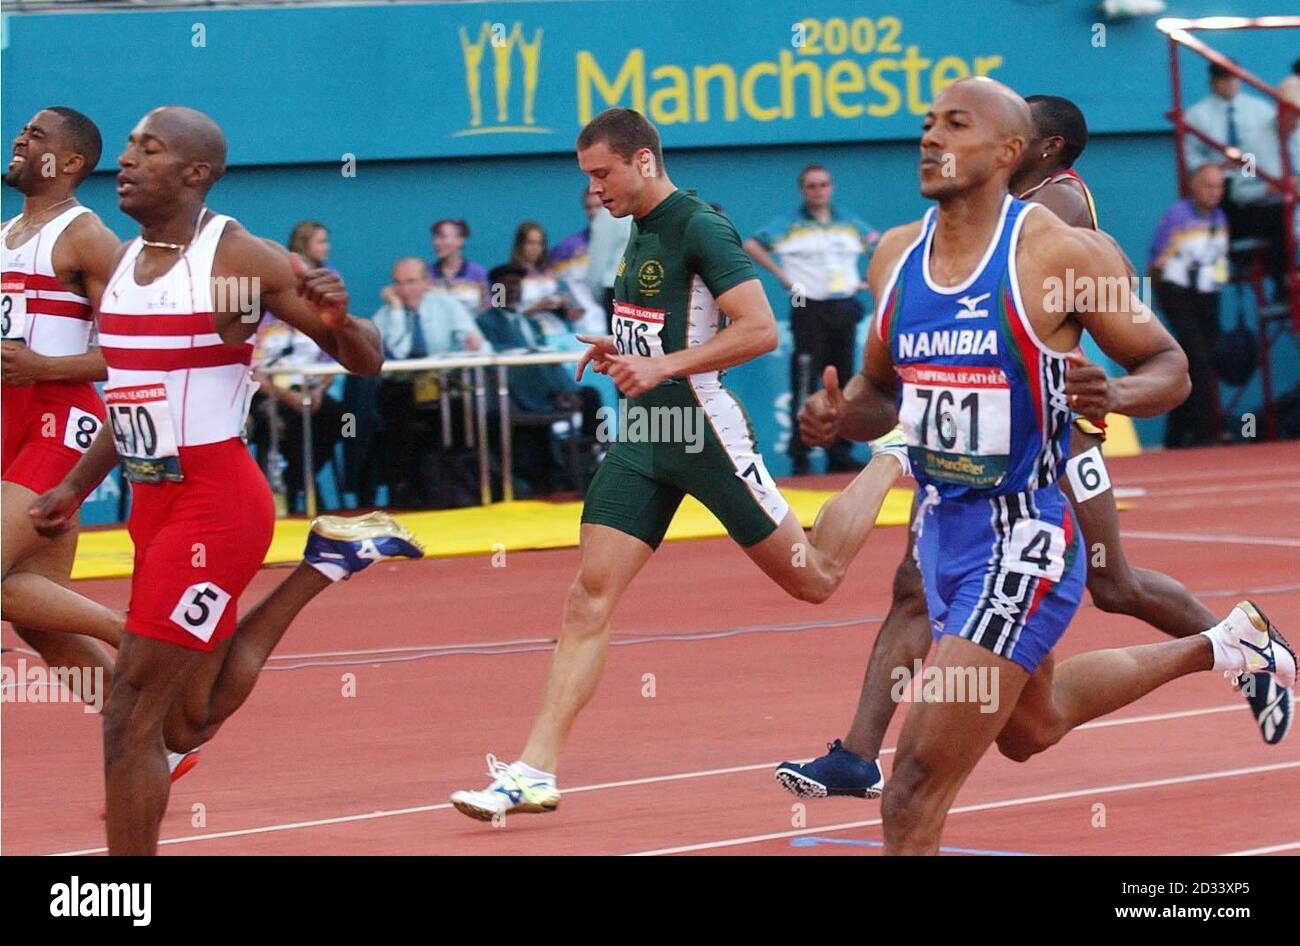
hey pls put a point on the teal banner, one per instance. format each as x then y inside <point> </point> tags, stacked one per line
<point>329,84</point>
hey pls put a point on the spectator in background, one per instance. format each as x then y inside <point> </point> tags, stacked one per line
<point>311,241</point>
<point>1289,89</point>
<point>279,402</point>
<point>1250,125</point>
<point>1189,265</point>
<point>608,240</point>
<point>416,322</point>
<point>816,253</point>
<point>570,260</point>
<point>452,273</point>
<point>541,297</point>
<point>534,389</point>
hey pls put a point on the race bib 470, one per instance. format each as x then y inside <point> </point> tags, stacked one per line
<point>957,421</point>
<point>141,422</point>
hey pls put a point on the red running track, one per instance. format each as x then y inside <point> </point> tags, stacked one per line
<point>304,769</point>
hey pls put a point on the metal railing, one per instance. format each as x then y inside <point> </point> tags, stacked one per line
<point>476,366</point>
<point>1179,33</point>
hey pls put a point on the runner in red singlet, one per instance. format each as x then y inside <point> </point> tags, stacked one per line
<point>176,319</point>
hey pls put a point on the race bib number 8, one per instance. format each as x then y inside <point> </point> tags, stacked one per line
<point>80,431</point>
<point>957,421</point>
<point>13,308</point>
<point>637,330</point>
<point>142,429</point>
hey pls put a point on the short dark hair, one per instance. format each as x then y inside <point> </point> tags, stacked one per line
<point>626,131</point>
<point>505,270</point>
<point>809,169</point>
<point>460,225</point>
<point>82,135</point>
<point>1220,72</point>
<point>1057,116</point>
<point>1295,67</point>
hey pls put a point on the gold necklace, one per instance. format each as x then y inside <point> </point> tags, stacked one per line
<point>178,246</point>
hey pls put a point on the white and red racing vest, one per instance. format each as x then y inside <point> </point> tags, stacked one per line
<point>35,308</point>
<point>172,382</point>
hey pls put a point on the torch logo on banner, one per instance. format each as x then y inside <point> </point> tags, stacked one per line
<point>502,44</point>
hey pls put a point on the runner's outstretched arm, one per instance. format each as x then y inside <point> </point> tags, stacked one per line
<point>53,511</point>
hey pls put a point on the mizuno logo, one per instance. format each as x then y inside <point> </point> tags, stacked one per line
<point>1265,652</point>
<point>970,302</point>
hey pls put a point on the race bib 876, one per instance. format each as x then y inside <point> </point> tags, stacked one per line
<point>957,421</point>
<point>637,330</point>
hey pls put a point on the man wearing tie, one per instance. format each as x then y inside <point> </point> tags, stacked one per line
<point>416,322</point>
<point>1249,124</point>
<point>534,389</point>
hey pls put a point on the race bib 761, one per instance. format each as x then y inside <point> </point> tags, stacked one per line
<point>957,420</point>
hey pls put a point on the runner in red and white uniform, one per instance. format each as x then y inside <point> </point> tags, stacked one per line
<point>56,257</point>
<point>176,323</point>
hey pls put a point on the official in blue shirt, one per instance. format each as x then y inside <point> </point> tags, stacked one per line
<point>1248,124</point>
<point>416,322</point>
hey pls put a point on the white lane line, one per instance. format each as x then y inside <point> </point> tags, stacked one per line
<point>983,806</point>
<point>602,786</point>
<point>434,650</point>
<point>1214,489</point>
<point>1284,542</point>
<point>1271,849</point>
<point>1229,502</point>
<point>413,648</point>
<point>1229,479</point>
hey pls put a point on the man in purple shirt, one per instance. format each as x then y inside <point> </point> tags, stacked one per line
<point>1189,264</point>
<point>452,272</point>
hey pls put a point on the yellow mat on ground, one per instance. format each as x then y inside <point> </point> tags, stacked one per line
<point>1121,437</point>
<point>479,530</point>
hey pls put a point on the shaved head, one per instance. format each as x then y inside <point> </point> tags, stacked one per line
<point>1010,112</point>
<point>172,158</point>
<point>195,137</point>
<point>975,133</point>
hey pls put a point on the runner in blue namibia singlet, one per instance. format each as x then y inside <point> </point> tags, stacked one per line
<point>983,407</point>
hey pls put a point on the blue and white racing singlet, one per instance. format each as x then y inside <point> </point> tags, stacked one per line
<point>983,401</point>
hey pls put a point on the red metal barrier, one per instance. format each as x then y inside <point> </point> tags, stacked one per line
<point>1179,33</point>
